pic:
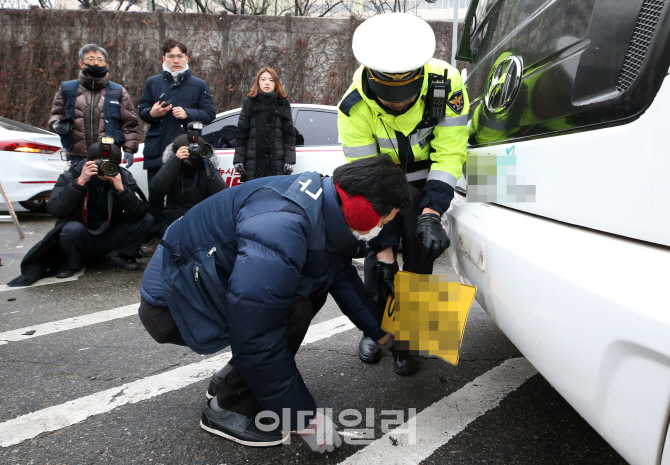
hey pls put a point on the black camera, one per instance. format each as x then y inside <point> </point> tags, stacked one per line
<point>196,150</point>
<point>165,104</point>
<point>107,167</point>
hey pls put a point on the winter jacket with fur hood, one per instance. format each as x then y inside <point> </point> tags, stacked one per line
<point>265,136</point>
<point>184,190</point>
<point>89,117</point>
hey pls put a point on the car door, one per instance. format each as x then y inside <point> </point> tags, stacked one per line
<point>318,145</point>
<point>221,134</point>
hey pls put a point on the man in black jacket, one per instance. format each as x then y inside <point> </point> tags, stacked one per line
<point>186,179</point>
<point>105,216</point>
<point>99,217</point>
<point>170,101</point>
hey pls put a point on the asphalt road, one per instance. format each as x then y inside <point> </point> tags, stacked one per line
<point>105,392</point>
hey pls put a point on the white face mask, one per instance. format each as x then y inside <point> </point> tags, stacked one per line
<point>374,232</point>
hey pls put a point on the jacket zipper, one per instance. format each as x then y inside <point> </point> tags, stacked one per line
<point>197,268</point>
<point>93,138</point>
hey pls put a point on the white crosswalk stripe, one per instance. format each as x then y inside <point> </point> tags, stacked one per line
<point>443,420</point>
<point>67,324</point>
<point>45,282</point>
<point>60,416</point>
<point>435,426</point>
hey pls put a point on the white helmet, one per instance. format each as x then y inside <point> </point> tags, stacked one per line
<point>394,47</point>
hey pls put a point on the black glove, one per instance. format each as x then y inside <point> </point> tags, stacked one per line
<point>129,158</point>
<point>239,167</point>
<point>288,168</point>
<point>432,236</point>
<point>385,274</point>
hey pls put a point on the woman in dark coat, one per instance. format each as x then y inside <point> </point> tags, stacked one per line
<point>265,141</point>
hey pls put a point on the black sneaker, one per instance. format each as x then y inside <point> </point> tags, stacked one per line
<point>239,428</point>
<point>216,380</point>
<point>118,261</point>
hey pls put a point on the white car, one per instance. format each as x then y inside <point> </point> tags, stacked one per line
<point>30,163</point>
<point>318,148</point>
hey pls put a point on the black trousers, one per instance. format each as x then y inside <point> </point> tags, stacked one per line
<point>234,392</point>
<point>125,238</point>
<point>404,226</point>
<point>156,199</point>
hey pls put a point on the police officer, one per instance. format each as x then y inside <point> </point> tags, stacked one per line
<point>412,107</point>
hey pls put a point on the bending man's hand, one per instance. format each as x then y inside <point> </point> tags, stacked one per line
<point>321,435</point>
<point>432,236</point>
<point>387,341</point>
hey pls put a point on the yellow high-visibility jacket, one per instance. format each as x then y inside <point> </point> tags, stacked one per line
<point>367,130</point>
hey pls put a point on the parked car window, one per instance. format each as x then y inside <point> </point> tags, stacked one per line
<point>221,132</point>
<point>317,127</point>
<point>12,125</point>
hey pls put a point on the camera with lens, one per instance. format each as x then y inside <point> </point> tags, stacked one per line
<point>107,165</point>
<point>196,150</point>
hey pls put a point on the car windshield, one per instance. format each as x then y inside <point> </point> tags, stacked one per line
<point>11,125</point>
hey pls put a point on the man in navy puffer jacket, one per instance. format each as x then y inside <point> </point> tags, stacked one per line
<point>249,267</point>
<point>186,99</point>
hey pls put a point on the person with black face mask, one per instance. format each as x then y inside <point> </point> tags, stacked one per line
<point>186,180</point>
<point>92,106</point>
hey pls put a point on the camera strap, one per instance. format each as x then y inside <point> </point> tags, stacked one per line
<point>195,181</point>
<point>84,213</point>
<point>175,255</point>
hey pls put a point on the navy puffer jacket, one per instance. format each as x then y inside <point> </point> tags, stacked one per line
<point>190,93</point>
<point>232,265</point>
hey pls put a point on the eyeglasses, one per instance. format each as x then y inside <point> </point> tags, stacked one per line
<point>170,56</point>
<point>102,61</point>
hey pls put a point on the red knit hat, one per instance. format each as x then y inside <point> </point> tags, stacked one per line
<point>358,211</point>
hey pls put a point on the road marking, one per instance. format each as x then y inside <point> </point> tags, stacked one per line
<point>28,426</point>
<point>45,281</point>
<point>68,323</point>
<point>443,420</point>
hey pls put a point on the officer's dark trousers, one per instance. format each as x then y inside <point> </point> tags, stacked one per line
<point>125,238</point>
<point>234,393</point>
<point>156,199</point>
<point>405,227</point>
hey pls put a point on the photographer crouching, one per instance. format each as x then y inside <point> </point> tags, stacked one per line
<point>102,215</point>
<point>190,174</point>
